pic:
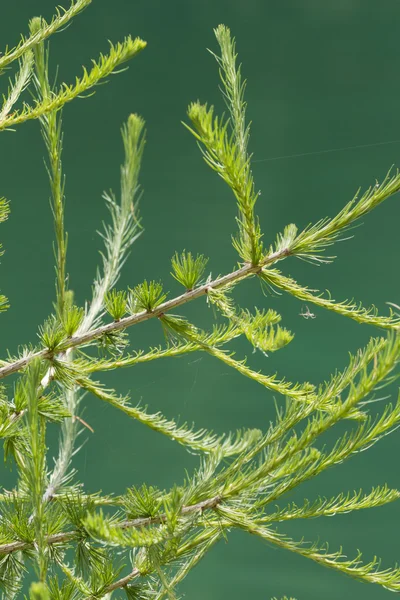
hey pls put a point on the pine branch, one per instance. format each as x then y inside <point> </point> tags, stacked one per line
<point>368,572</point>
<point>190,563</point>
<point>364,435</point>
<point>346,308</point>
<point>123,231</point>
<point>201,440</point>
<point>219,336</point>
<point>224,156</point>
<point>343,503</point>
<point>300,392</point>
<point>249,243</point>
<point>118,238</point>
<point>311,243</point>
<point>85,339</point>
<point>59,21</point>
<point>240,475</point>
<point>69,536</point>
<point>33,469</point>
<point>106,64</point>
<point>219,283</point>
<point>21,82</point>
<point>388,578</point>
<point>51,125</point>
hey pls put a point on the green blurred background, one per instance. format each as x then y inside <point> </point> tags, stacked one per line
<point>321,76</point>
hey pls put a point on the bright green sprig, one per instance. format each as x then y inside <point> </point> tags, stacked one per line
<point>51,125</point>
<point>368,572</point>
<point>223,155</point>
<point>343,503</point>
<point>200,440</point>
<point>183,329</point>
<point>233,88</point>
<point>105,65</point>
<point>17,86</point>
<point>227,153</point>
<point>311,243</point>
<point>51,334</point>
<point>187,269</point>
<point>4,212</point>
<point>346,308</point>
<point>73,316</point>
<point>116,304</point>
<point>220,335</point>
<point>60,20</point>
<point>125,225</point>
<point>146,296</point>
<point>303,392</point>
<point>34,466</point>
<point>260,331</point>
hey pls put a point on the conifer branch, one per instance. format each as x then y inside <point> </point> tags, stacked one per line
<point>352,310</point>
<point>241,475</point>
<point>366,434</point>
<point>60,20</point>
<point>343,503</point>
<point>125,227</point>
<point>118,238</point>
<point>193,560</point>
<point>346,308</point>
<point>201,440</point>
<point>311,243</point>
<point>85,339</point>
<point>33,469</point>
<point>21,82</point>
<point>106,64</point>
<point>370,572</point>
<point>300,392</point>
<point>69,536</point>
<point>51,125</point>
<point>218,337</point>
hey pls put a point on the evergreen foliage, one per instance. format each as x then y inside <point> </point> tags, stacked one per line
<point>146,541</point>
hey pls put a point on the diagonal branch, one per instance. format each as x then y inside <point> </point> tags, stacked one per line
<point>86,338</point>
<point>60,20</point>
<point>68,536</point>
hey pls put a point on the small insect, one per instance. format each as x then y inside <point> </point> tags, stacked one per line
<point>307,314</point>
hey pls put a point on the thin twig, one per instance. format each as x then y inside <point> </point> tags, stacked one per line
<point>90,336</point>
<point>68,536</point>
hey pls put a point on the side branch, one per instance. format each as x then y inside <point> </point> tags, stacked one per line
<point>68,536</point>
<point>86,338</point>
<point>60,20</point>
